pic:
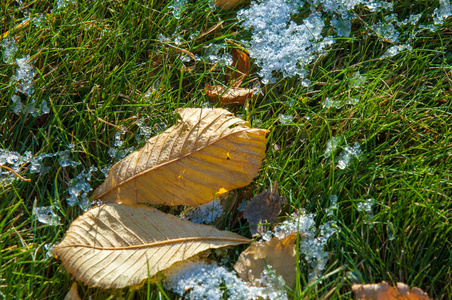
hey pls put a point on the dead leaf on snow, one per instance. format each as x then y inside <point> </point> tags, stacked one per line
<point>383,291</point>
<point>114,245</point>
<point>72,294</point>
<point>264,208</point>
<point>279,254</point>
<point>229,95</point>
<point>205,155</point>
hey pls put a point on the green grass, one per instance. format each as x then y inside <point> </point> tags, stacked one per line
<point>95,62</point>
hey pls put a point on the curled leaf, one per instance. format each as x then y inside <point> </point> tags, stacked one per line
<point>205,155</point>
<point>241,62</point>
<point>264,208</point>
<point>114,246</point>
<point>383,291</point>
<point>279,254</point>
<point>229,95</point>
<point>227,4</point>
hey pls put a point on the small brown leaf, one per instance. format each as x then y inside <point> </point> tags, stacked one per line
<point>227,4</point>
<point>114,245</point>
<point>264,208</point>
<point>72,294</point>
<point>383,291</point>
<point>279,254</point>
<point>229,96</point>
<point>241,62</point>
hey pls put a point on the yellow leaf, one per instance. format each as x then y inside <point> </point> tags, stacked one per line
<point>279,254</point>
<point>114,246</point>
<point>209,152</point>
<point>383,291</point>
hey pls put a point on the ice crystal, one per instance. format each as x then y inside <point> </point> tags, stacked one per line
<point>285,119</point>
<point>10,48</point>
<point>394,50</point>
<point>118,152</point>
<point>205,213</point>
<point>313,240</point>
<point>49,250</point>
<point>178,7</point>
<point>386,31</point>
<point>199,280</point>
<point>213,55</point>
<point>443,12</point>
<point>79,189</point>
<point>46,215</point>
<point>145,131</point>
<point>357,80</point>
<point>328,102</point>
<point>331,145</point>
<point>24,76</point>
<point>366,207</point>
<point>333,206</point>
<point>347,154</point>
<point>64,159</point>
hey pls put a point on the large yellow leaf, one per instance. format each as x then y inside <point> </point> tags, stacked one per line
<point>206,154</point>
<point>114,245</point>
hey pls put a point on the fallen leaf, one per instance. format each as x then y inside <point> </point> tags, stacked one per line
<point>227,4</point>
<point>114,245</point>
<point>205,155</point>
<point>72,294</point>
<point>383,291</point>
<point>241,62</point>
<point>279,254</point>
<point>264,208</point>
<point>229,95</point>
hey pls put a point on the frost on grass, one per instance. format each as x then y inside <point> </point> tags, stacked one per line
<point>443,12</point>
<point>9,50</point>
<point>205,213</point>
<point>357,80</point>
<point>178,7</point>
<point>331,103</point>
<point>16,161</point>
<point>347,154</point>
<point>199,280</point>
<point>285,119</point>
<point>65,160</point>
<point>79,189</point>
<point>366,207</point>
<point>46,215</point>
<point>394,50</point>
<point>312,242</point>
<point>24,76</point>
<point>118,152</point>
<point>331,145</point>
<point>215,54</point>
<point>280,46</point>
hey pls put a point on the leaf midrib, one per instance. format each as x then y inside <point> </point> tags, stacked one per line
<point>160,243</point>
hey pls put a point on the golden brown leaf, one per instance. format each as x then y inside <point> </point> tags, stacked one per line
<point>227,4</point>
<point>241,62</point>
<point>229,95</point>
<point>72,294</point>
<point>383,291</point>
<point>114,245</point>
<point>280,254</point>
<point>205,155</point>
<point>264,208</point>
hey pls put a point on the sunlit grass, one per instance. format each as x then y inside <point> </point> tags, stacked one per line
<point>96,62</point>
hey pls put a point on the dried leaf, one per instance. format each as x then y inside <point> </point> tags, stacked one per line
<point>229,96</point>
<point>241,62</point>
<point>279,254</point>
<point>206,154</point>
<point>227,4</point>
<point>383,291</point>
<point>72,294</point>
<point>114,245</point>
<point>264,208</point>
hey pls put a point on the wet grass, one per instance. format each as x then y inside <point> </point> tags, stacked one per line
<point>95,64</point>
